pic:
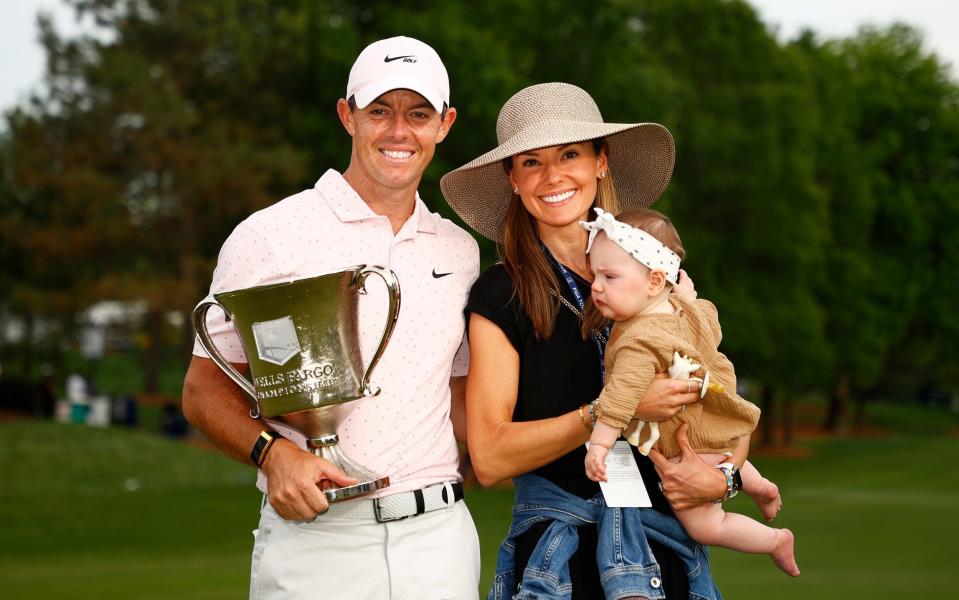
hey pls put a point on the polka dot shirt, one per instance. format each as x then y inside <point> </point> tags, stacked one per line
<point>405,432</point>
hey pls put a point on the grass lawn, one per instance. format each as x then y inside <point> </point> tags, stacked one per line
<point>112,513</point>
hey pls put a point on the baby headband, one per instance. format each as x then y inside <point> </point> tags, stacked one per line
<point>639,244</point>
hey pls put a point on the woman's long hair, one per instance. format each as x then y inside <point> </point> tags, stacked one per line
<point>533,277</point>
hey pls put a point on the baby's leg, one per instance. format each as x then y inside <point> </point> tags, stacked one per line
<point>764,493</point>
<point>709,524</point>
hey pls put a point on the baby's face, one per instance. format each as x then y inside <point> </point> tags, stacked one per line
<point>621,287</point>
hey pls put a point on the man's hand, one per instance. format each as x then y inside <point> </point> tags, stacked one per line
<point>690,481</point>
<point>295,478</point>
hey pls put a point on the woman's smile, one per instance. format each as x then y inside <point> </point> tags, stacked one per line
<point>559,197</point>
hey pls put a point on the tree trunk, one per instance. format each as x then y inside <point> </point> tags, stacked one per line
<point>187,336</point>
<point>192,293</point>
<point>154,354</point>
<point>26,352</point>
<point>788,421</point>
<point>859,418</point>
<point>838,402</point>
<point>767,423</point>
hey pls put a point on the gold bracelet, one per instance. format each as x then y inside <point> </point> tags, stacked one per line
<point>586,420</point>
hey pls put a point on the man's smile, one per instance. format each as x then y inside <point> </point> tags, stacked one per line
<point>397,155</point>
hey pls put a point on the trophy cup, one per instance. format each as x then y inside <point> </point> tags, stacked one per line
<point>301,341</point>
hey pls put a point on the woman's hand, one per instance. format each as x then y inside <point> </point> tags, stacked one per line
<point>690,481</point>
<point>665,398</point>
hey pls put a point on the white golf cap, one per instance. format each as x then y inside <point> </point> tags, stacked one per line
<point>398,63</point>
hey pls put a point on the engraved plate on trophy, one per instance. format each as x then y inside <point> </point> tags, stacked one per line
<point>302,342</point>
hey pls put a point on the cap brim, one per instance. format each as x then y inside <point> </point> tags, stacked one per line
<point>373,90</point>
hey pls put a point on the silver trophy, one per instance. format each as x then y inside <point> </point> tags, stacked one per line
<point>301,342</point>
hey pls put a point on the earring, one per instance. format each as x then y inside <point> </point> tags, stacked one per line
<point>515,190</point>
<point>602,174</point>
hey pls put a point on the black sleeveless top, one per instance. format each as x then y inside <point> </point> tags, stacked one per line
<point>558,376</point>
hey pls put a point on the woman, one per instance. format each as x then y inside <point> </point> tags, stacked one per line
<point>532,375</point>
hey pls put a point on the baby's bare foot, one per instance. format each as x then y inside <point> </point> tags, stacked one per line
<point>768,500</point>
<point>783,554</point>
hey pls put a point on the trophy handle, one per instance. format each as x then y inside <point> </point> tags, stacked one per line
<point>202,334</point>
<point>393,287</point>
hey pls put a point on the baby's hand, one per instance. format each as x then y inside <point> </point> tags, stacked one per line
<point>596,462</point>
<point>684,286</point>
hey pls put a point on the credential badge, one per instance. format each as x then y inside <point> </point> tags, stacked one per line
<point>276,340</point>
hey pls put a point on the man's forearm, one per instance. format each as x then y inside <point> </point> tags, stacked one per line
<point>216,406</point>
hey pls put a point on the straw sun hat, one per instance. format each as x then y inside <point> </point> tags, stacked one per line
<point>641,155</point>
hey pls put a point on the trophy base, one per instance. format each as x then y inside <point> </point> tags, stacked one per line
<point>327,448</point>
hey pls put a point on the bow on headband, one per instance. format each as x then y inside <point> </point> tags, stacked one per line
<point>636,242</point>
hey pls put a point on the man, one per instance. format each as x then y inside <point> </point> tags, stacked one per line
<point>396,110</point>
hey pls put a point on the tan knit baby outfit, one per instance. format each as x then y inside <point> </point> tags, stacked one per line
<point>640,347</point>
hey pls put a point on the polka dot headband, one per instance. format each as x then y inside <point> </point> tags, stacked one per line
<point>636,242</point>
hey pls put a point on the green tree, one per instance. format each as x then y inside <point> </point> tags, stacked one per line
<point>886,115</point>
<point>743,195</point>
<point>143,154</point>
<point>815,184</point>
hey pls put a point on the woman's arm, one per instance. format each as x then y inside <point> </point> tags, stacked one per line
<point>499,448</point>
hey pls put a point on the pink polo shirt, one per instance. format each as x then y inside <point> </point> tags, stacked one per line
<point>405,432</point>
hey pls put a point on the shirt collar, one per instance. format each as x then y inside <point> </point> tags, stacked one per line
<point>424,219</point>
<point>347,205</point>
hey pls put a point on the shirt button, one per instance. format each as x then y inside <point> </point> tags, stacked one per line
<point>655,582</point>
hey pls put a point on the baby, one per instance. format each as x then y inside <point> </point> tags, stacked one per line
<point>635,263</point>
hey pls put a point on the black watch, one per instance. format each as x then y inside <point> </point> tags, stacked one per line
<point>262,446</point>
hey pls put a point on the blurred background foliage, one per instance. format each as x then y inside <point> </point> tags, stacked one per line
<point>816,185</point>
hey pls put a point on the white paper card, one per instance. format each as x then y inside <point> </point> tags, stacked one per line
<point>624,487</point>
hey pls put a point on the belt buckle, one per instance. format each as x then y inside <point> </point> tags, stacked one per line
<point>379,516</point>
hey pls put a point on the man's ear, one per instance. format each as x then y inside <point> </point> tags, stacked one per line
<point>657,281</point>
<point>446,125</point>
<point>346,116</point>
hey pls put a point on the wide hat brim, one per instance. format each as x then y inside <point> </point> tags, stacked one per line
<point>641,159</point>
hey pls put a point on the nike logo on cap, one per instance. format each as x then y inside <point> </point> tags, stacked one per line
<point>438,275</point>
<point>387,58</point>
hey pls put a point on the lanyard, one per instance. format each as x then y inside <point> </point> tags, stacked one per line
<point>599,338</point>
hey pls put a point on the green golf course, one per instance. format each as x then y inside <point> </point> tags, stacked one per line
<point>113,513</point>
